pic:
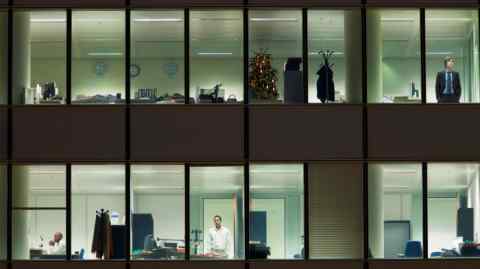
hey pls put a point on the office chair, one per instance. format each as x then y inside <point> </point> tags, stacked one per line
<point>413,249</point>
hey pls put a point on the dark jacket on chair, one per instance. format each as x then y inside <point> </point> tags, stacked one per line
<point>440,87</point>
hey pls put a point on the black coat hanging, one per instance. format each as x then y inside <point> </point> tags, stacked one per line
<point>325,84</point>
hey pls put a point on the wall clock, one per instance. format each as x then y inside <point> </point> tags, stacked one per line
<point>134,70</point>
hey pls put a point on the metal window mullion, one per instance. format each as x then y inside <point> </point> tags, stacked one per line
<point>425,208</point>
<point>423,56</point>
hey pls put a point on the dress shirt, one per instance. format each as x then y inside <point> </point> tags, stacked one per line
<point>220,241</point>
<point>58,248</point>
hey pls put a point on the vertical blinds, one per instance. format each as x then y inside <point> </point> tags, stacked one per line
<point>336,225</point>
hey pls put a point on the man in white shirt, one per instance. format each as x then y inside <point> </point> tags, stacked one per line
<point>56,246</point>
<point>220,243</point>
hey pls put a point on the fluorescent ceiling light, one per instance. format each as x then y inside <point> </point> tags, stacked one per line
<point>105,54</point>
<point>158,20</point>
<point>215,53</point>
<point>48,20</point>
<point>398,19</point>
<point>316,53</point>
<point>448,19</point>
<point>95,20</point>
<point>158,188</point>
<point>440,53</point>
<point>275,19</point>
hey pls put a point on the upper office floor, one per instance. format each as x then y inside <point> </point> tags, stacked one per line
<point>335,55</point>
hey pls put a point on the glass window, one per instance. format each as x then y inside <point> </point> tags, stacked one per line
<point>158,212</point>
<point>98,209</point>
<point>334,56</point>
<point>453,210</point>
<point>275,71</point>
<point>39,61</point>
<point>157,52</point>
<point>216,56</point>
<point>336,210</point>
<point>3,212</point>
<point>276,211</point>
<point>3,56</point>
<point>393,51</point>
<point>395,211</point>
<point>39,212</point>
<point>452,56</point>
<point>216,213</point>
<point>98,57</point>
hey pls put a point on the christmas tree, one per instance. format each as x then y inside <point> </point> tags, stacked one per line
<point>262,77</point>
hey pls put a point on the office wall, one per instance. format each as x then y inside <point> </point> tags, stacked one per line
<point>168,212</point>
<point>442,223</point>
<point>205,73</point>
<point>405,206</point>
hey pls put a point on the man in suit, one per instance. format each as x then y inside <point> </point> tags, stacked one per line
<point>447,85</point>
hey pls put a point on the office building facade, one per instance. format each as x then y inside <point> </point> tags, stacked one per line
<point>248,134</point>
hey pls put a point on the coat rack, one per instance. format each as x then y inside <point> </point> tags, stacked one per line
<point>325,84</point>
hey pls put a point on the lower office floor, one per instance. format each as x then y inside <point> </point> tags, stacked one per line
<point>287,211</point>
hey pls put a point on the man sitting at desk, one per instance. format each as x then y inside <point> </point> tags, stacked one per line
<point>56,246</point>
<point>220,243</point>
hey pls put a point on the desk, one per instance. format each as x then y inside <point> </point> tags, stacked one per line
<point>38,254</point>
<point>160,254</point>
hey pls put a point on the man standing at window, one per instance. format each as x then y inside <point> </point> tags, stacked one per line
<point>447,85</point>
<point>220,243</point>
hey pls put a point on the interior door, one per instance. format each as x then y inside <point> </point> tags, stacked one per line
<point>275,214</point>
<point>397,233</point>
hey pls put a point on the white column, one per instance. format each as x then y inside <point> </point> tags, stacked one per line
<point>353,56</point>
<point>3,57</point>
<point>3,212</point>
<point>21,55</point>
<point>375,211</point>
<point>20,192</point>
<point>374,56</point>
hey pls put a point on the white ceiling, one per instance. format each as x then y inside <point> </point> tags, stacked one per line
<point>160,33</point>
<point>166,178</point>
<point>442,177</point>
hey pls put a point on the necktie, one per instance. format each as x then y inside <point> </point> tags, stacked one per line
<point>449,83</point>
